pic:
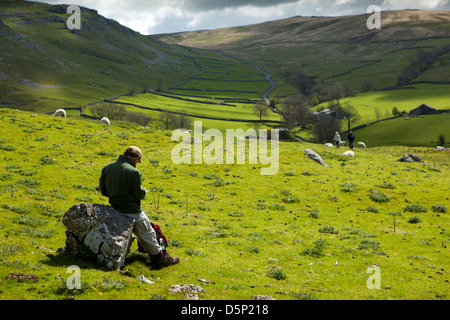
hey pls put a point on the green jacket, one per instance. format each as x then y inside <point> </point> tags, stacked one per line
<point>121,183</point>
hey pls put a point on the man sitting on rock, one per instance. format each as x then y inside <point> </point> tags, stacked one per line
<point>120,181</point>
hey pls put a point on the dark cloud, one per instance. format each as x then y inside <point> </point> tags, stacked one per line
<point>206,5</point>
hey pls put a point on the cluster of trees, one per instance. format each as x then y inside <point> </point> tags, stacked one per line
<point>118,112</point>
<point>174,121</point>
<point>296,110</point>
<point>418,65</point>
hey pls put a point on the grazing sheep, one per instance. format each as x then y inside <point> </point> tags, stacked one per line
<point>329,144</point>
<point>60,113</point>
<point>348,153</point>
<point>104,120</point>
<point>342,143</point>
<point>361,144</point>
<point>440,148</point>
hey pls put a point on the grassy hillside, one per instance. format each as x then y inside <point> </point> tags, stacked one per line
<point>332,49</point>
<point>225,88</point>
<point>404,99</point>
<point>45,66</point>
<point>342,49</point>
<point>411,132</point>
<point>308,232</point>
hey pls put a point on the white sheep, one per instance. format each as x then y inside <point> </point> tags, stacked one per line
<point>349,153</point>
<point>361,144</point>
<point>342,143</point>
<point>104,120</point>
<point>440,148</point>
<point>329,144</point>
<point>60,113</point>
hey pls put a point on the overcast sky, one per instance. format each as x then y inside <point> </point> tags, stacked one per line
<point>169,16</point>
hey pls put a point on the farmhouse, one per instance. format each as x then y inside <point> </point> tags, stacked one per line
<point>326,112</point>
<point>422,110</point>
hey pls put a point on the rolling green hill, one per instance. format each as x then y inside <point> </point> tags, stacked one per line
<point>342,49</point>
<point>334,49</point>
<point>45,66</point>
<point>307,232</point>
<point>406,131</point>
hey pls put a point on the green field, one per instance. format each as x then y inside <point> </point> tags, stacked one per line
<point>223,76</point>
<point>405,99</point>
<point>232,85</point>
<point>413,132</point>
<point>238,111</point>
<point>307,232</point>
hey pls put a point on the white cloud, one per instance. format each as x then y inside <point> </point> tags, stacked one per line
<point>167,16</point>
<point>416,4</point>
<point>340,2</point>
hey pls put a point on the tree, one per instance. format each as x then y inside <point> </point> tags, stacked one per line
<point>133,90</point>
<point>315,100</point>
<point>167,119</point>
<point>260,110</point>
<point>160,80</point>
<point>296,112</point>
<point>336,91</point>
<point>138,117</point>
<point>350,114</point>
<point>273,102</point>
<point>377,113</point>
<point>408,73</point>
<point>395,111</point>
<point>110,110</point>
<point>325,127</point>
<point>304,83</point>
<point>441,139</point>
<point>366,86</point>
<point>182,122</point>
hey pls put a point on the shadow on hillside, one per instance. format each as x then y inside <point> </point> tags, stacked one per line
<point>64,259</point>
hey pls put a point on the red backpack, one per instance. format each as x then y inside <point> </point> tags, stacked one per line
<point>160,237</point>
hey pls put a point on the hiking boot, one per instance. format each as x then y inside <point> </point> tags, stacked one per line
<point>163,260</point>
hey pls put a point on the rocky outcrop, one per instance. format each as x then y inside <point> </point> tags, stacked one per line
<point>96,229</point>
<point>410,158</point>
<point>313,155</point>
<point>190,289</point>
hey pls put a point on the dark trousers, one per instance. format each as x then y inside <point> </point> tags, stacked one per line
<point>350,144</point>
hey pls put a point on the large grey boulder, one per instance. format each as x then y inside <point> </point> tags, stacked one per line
<point>313,155</point>
<point>410,158</point>
<point>100,230</point>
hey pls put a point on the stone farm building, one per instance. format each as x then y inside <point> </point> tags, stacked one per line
<point>423,110</point>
